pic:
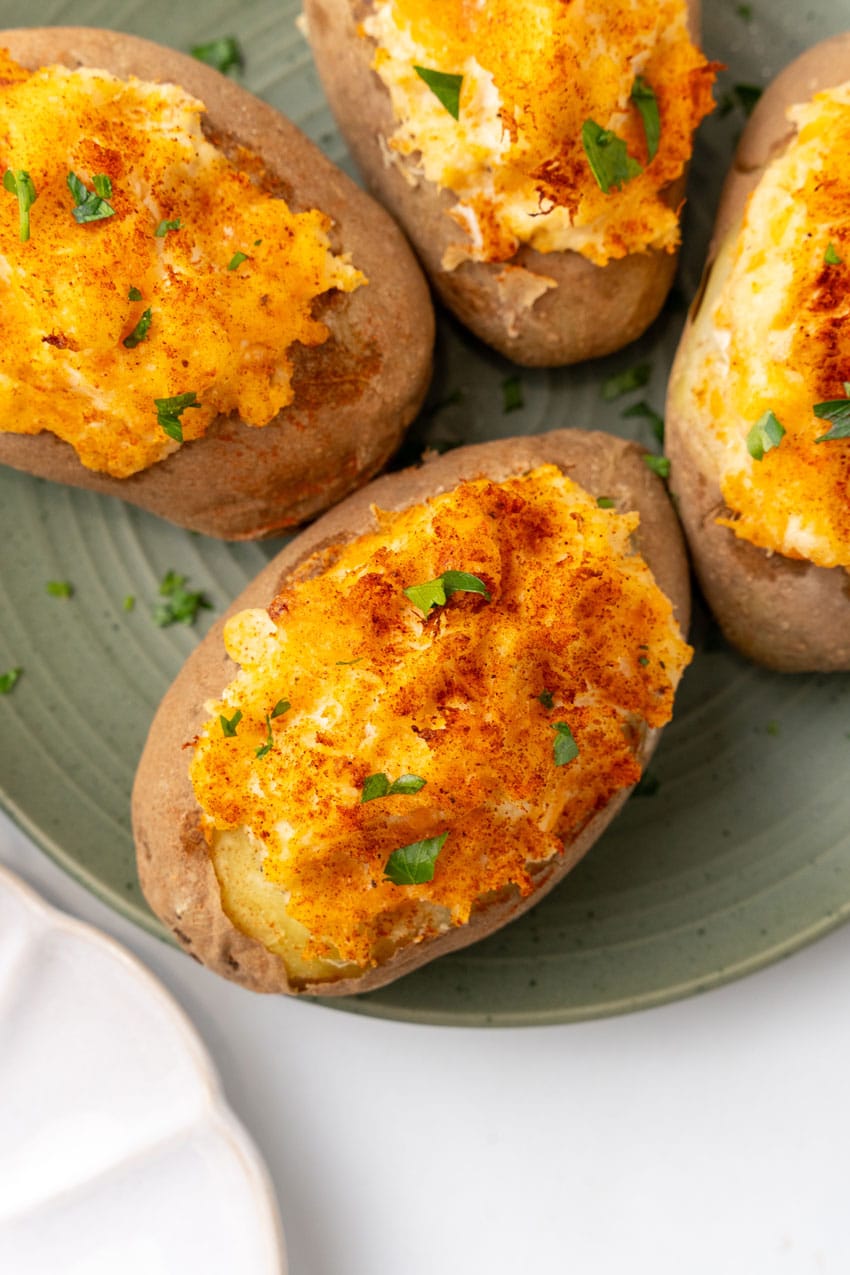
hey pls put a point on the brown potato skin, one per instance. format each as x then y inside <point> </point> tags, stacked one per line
<point>788,615</point>
<point>594,310</point>
<point>174,867</point>
<point>354,395</point>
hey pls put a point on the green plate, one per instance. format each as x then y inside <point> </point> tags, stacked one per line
<point>740,855</point>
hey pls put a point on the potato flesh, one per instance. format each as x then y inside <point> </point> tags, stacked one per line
<point>227,293</point>
<point>772,335</point>
<point>372,688</point>
<point>532,74</point>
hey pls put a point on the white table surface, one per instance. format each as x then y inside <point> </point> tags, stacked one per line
<point>708,1136</point>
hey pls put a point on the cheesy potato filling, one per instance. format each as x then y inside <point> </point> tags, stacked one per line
<point>191,284</point>
<point>533,73</point>
<point>774,336</point>
<point>511,715</point>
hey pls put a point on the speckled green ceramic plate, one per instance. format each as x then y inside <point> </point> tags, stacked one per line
<point>740,855</point>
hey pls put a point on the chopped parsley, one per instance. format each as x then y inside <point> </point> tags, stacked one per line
<point>546,699</point>
<point>60,589</point>
<point>610,161</point>
<point>649,414</point>
<point>414,864</point>
<point>435,593</point>
<point>129,602</point>
<point>282,706</point>
<point>380,786</point>
<point>836,410</point>
<point>512,394</point>
<point>605,502</point>
<point>9,679</point>
<point>831,257</point>
<point>19,183</point>
<point>229,724</point>
<point>633,378</point>
<point>565,747</point>
<point>647,786</point>
<point>169,411</point>
<point>446,88</point>
<point>139,333</point>
<point>91,205</point>
<point>742,96</point>
<point>236,260</point>
<point>659,465</point>
<point>269,744</point>
<point>181,605</point>
<point>643,96</point>
<point>164,227</point>
<point>134,295</point>
<point>766,434</point>
<point>224,54</point>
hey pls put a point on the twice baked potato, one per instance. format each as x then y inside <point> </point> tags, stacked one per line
<point>448,686</point>
<point>202,315</point>
<point>535,158</point>
<point>758,405</point>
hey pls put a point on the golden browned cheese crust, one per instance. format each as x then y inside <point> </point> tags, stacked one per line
<point>174,865</point>
<point>593,310</point>
<point>354,395</point>
<point>789,615</point>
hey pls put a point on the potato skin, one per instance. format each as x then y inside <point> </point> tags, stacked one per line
<point>174,867</point>
<point>354,395</point>
<point>594,310</point>
<point>788,615</point>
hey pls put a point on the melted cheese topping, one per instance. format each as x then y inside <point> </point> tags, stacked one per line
<point>774,335</point>
<point>455,699</point>
<point>220,333</point>
<point>533,73</point>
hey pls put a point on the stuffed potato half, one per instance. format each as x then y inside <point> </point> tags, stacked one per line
<point>756,416</point>
<point>204,316</point>
<point>534,153</point>
<point>448,686</point>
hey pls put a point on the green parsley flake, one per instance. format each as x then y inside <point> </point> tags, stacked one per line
<point>766,434</point>
<point>648,414</point>
<point>414,864</point>
<point>659,465</point>
<point>229,724</point>
<point>139,333</point>
<point>565,747</point>
<point>742,96</point>
<point>282,706</point>
<point>647,786</point>
<point>634,378</point>
<point>546,699</point>
<point>169,411</point>
<point>164,227</point>
<point>91,205</point>
<point>379,786</point>
<point>60,589</point>
<point>269,744</point>
<point>836,410</point>
<point>831,257</point>
<point>134,295</point>
<point>9,679</point>
<point>446,88</point>
<point>129,602</point>
<point>609,160</point>
<point>643,96</point>
<point>181,605</point>
<point>19,183</point>
<point>513,398</point>
<point>224,54</point>
<point>236,260</point>
<point>435,593</point>
<point>605,502</point>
